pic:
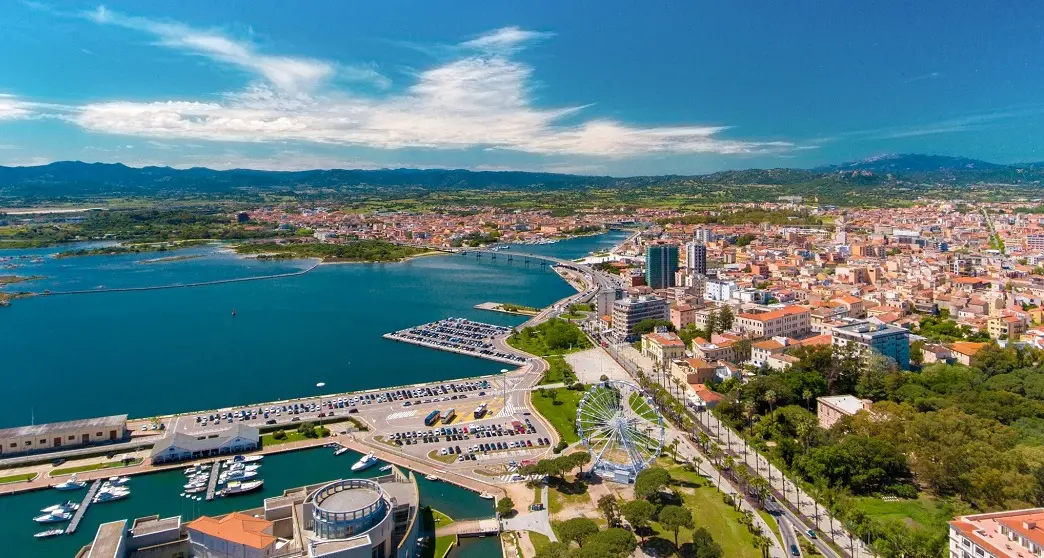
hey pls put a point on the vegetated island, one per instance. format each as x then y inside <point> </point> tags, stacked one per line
<point>120,249</point>
<point>352,251</point>
<point>167,259</point>
<point>12,279</point>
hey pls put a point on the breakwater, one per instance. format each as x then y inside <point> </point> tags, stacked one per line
<point>184,285</point>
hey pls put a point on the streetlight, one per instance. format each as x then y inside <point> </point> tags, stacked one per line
<point>320,385</point>
<point>504,371</point>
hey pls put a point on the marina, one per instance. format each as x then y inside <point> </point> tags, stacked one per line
<point>461,336</point>
<point>87,500</point>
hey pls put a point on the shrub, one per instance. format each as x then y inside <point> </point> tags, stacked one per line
<point>561,446</point>
<point>279,435</point>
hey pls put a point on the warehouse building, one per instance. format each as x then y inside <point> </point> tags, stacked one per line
<point>68,434</point>
<point>179,446</point>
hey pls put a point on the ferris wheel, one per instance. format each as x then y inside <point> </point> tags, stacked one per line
<point>621,428</point>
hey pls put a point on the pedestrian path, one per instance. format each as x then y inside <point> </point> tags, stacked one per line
<point>402,414</point>
<point>512,478</point>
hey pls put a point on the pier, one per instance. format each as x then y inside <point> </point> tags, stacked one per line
<point>215,472</point>
<point>91,492</point>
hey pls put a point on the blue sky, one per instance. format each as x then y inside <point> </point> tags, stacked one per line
<point>608,87</point>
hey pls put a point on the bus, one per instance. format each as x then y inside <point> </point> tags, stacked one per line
<point>481,411</point>
<point>432,418</point>
<point>449,416</point>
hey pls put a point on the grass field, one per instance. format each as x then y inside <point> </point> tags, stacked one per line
<point>559,371</point>
<point>540,542</point>
<point>94,467</point>
<point>441,519</point>
<point>561,412</point>
<point>434,454</point>
<point>443,545</point>
<point>291,436</point>
<point>558,500</point>
<point>772,524</point>
<point>923,511</point>
<point>17,478</point>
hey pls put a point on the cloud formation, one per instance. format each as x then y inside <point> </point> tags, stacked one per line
<point>11,108</point>
<point>287,73</point>
<point>481,98</point>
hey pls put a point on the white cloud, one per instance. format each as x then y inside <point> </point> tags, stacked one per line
<point>285,72</point>
<point>11,108</point>
<point>504,39</point>
<point>480,99</point>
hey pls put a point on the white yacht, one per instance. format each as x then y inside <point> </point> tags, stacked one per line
<point>236,487</point>
<point>431,478</point>
<point>237,475</point>
<point>72,484</point>
<point>365,462</point>
<point>111,495</point>
<point>245,459</point>
<point>243,467</point>
<point>68,506</point>
<point>340,450</point>
<point>118,481</point>
<point>56,516</point>
<point>385,468</point>
<point>49,533</point>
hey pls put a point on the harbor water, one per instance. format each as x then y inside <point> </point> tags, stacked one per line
<point>158,493</point>
<point>164,351</point>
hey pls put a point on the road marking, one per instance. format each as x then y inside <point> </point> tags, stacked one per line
<point>401,414</point>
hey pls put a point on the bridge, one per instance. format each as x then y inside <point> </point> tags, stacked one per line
<point>471,528</point>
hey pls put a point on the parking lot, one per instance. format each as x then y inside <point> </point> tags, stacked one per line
<point>494,439</point>
<point>460,335</point>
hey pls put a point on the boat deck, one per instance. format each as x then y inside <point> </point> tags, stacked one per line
<point>83,507</point>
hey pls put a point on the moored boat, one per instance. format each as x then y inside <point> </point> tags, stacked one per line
<point>364,462</point>
<point>68,506</point>
<point>486,496</point>
<point>431,478</point>
<point>56,516</point>
<point>341,450</point>
<point>72,484</point>
<point>236,487</point>
<point>49,533</point>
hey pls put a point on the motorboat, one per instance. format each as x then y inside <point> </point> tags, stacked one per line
<point>432,478</point>
<point>237,487</point>
<point>49,533</point>
<point>118,481</point>
<point>111,495</point>
<point>195,489</point>
<point>68,506</point>
<point>56,516</point>
<point>237,476</point>
<point>72,484</point>
<point>243,467</point>
<point>246,458</point>
<point>486,496</point>
<point>193,470</point>
<point>364,462</point>
<point>385,468</point>
<point>341,450</point>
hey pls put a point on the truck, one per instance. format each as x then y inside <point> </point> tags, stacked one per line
<point>481,411</point>
<point>432,418</point>
<point>449,416</point>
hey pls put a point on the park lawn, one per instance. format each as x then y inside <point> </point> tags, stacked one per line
<point>538,493</point>
<point>561,413</point>
<point>441,519</point>
<point>924,510</point>
<point>291,436</point>
<point>94,467</point>
<point>539,540</point>
<point>17,478</point>
<point>558,372</point>
<point>443,545</point>
<point>558,500</point>
<point>642,408</point>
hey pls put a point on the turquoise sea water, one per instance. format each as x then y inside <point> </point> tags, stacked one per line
<point>156,352</point>
<point>159,494</point>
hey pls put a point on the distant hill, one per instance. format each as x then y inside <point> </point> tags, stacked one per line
<point>72,179</point>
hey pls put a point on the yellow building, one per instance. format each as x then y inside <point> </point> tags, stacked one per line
<point>73,433</point>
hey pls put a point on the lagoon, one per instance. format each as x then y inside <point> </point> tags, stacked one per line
<point>156,352</point>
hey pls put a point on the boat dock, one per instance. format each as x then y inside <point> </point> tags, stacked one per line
<point>91,492</point>
<point>215,472</point>
<point>460,336</point>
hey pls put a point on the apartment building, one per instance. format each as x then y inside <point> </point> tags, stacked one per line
<point>663,347</point>
<point>1007,534</point>
<point>831,409</point>
<point>892,342</point>
<point>629,311</point>
<point>661,262</point>
<point>1007,327</point>
<point>789,321</point>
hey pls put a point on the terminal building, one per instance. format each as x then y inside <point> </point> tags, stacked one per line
<point>353,518</point>
<point>63,435</point>
<point>179,446</point>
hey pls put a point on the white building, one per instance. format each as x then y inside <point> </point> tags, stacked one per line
<point>720,291</point>
<point>178,446</point>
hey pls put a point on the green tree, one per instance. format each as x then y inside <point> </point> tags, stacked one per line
<point>577,530</point>
<point>554,550</point>
<point>612,542</point>
<point>638,513</point>
<point>610,509</point>
<point>673,518</point>
<point>725,318</point>
<point>505,506</point>
<point>703,545</point>
<point>650,481</point>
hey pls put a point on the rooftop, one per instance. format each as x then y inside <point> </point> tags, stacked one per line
<point>82,424</point>
<point>849,404</point>
<point>238,528</point>
<point>985,531</point>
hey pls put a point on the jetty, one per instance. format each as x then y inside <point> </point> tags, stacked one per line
<point>460,336</point>
<point>215,472</point>
<point>504,308</point>
<point>183,285</point>
<point>87,500</point>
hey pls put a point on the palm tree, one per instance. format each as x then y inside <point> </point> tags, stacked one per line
<point>703,439</point>
<point>770,398</point>
<point>730,464</point>
<point>760,487</point>
<point>807,395</point>
<point>804,429</point>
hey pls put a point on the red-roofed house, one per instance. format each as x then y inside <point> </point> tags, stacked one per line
<point>1008,534</point>
<point>235,534</point>
<point>789,321</point>
<point>663,347</point>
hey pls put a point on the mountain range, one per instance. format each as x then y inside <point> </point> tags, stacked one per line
<point>74,178</point>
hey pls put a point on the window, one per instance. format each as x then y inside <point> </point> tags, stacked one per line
<point>71,438</point>
<point>97,434</point>
<point>43,442</point>
<point>14,445</point>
